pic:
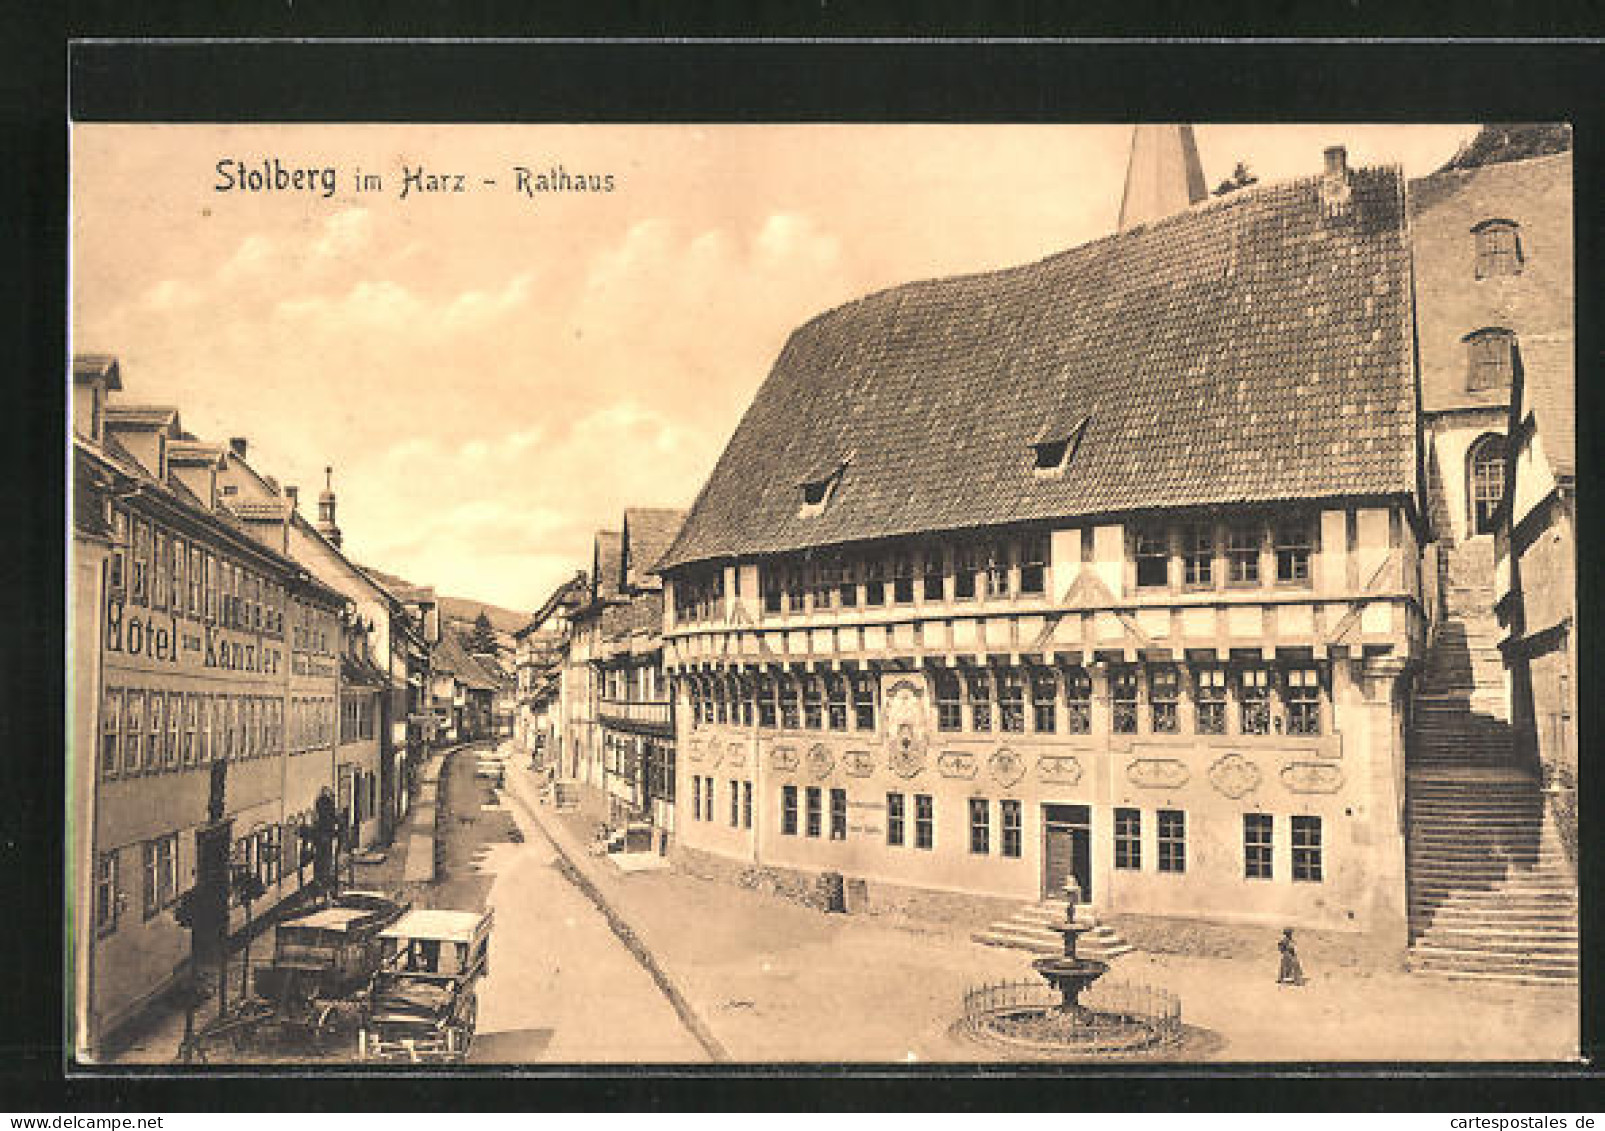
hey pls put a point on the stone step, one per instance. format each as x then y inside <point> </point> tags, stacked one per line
<point>1509,979</point>
<point>1496,937</point>
<point>1558,918</point>
<point>1438,959</point>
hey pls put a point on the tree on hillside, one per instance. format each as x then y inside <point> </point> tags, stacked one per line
<point>483,637</point>
<point>1513,142</point>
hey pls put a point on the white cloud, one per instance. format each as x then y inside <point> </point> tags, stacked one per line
<point>344,233</point>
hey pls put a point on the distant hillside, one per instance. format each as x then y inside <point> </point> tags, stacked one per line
<point>459,611</point>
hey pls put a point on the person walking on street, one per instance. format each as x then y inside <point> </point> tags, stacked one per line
<point>1291,974</point>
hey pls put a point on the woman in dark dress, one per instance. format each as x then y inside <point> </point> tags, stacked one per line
<point>1292,974</point>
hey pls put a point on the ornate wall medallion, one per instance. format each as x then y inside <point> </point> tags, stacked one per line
<point>784,759</point>
<point>738,754</point>
<point>1157,773</point>
<point>1006,766</point>
<point>858,763</point>
<point>820,761</point>
<point>1059,769</point>
<point>1312,777</point>
<point>956,764</point>
<point>694,749</point>
<point>1233,775</point>
<point>715,753</point>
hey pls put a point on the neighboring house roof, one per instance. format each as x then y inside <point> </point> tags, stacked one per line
<point>608,556</point>
<point>141,416</point>
<point>450,656</point>
<point>1250,349</point>
<point>102,365</point>
<point>1548,375</point>
<point>648,533</point>
<point>1451,302</point>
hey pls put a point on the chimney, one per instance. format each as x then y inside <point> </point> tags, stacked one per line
<point>293,493</point>
<point>238,445</point>
<point>1337,193</point>
<point>1163,175</point>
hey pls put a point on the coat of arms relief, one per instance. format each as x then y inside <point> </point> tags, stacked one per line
<point>906,703</point>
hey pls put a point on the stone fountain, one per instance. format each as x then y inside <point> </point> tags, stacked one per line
<point>1022,1017</point>
<point>1069,974</point>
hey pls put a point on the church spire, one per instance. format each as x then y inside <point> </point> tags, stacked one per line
<point>326,524</point>
<point>1164,175</point>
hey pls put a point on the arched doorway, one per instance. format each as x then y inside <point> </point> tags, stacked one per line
<point>1485,480</point>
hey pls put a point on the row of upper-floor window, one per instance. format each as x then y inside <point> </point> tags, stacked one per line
<point>145,731</point>
<point>152,566</point>
<point>640,684</point>
<point>1241,552</point>
<point>1141,698</point>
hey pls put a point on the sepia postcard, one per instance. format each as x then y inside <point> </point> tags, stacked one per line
<point>698,594</point>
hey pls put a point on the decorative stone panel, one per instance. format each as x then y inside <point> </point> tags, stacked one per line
<point>1157,773</point>
<point>820,761</point>
<point>1059,769</point>
<point>783,759</point>
<point>954,764</point>
<point>1006,766</point>
<point>858,763</point>
<point>1312,777</point>
<point>738,754</point>
<point>1233,775</point>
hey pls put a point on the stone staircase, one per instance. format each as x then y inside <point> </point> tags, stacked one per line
<point>1491,895</point>
<point>1028,929</point>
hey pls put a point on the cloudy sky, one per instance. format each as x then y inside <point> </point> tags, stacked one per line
<point>494,377</point>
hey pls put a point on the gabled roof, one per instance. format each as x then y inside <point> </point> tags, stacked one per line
<point>103,365</point>
<point>1250,349</point>
<point>1549,377</point>
<point>648,533</point>
<point>194,452</point>
<point>606,560</point>
<point>141,416</point>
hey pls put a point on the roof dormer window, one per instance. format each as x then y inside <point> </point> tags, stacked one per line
<point>1055,446</point>
<point>819,488</point>
<point>1498,248</point>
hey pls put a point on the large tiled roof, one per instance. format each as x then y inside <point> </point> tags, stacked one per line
<point>1249,349</point>
<point>648,533</point>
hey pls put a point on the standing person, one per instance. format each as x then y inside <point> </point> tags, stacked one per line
<point>1291,974</point>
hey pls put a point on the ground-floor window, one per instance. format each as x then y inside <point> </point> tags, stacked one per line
<point>788,810</point>
<point>746,804</point>
<point>1257,846</point>
<point>1307,849</point>
<point>838,814</point>
<point>735,803</point>
<point>924,821</point>
<point>1172,841</point>
<point>815,814</point>
<point>1011,828</point>
<point>696,797</point>
<point>1128,839</point>
<point>108,892</point>
<point>980,826</point>
<point>161,873</point>
<point>707,799</point>
<point>894,818</point>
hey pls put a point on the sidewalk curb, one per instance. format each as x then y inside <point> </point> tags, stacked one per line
<point>575,872</point>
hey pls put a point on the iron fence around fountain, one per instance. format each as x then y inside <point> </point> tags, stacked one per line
<point>1156,1009</point>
